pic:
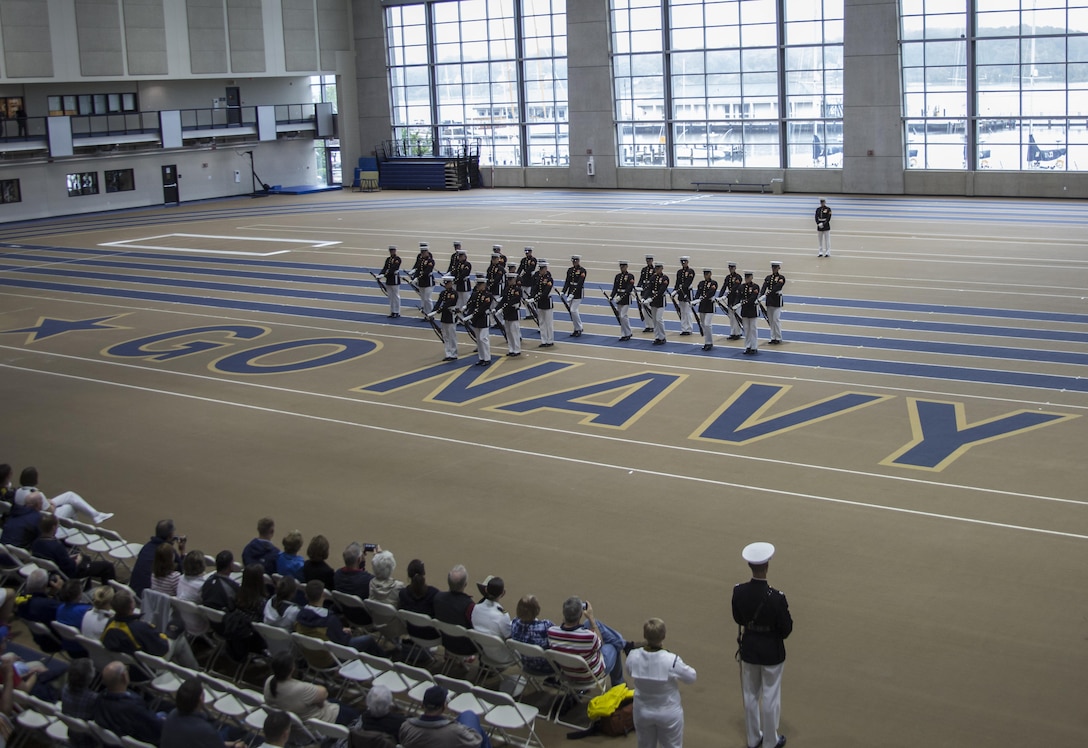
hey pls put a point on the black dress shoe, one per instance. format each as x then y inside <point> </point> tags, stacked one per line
<point>747,351</point>
<point>707,347</point>
<point>781,741</point>
<point>685,333</point>
<point>775,342</point>
<point>659,341</point>
<point>513,354</point>
<point>647,329</point>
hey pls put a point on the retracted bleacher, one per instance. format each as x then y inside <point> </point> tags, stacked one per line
<point>420,165</point>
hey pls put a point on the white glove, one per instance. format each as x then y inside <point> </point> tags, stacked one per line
<point>762,299</point>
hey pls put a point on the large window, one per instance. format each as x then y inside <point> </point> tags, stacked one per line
<point>728,82</point>
<point>326,150</point>
<point>999,84</point>
<point>486,72</point>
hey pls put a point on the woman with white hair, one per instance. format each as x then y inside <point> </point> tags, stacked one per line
<point>656,674</point>
<point>380,715</point>
<point>385,589</point>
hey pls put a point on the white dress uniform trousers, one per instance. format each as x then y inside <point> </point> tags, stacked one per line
<point>762,685</point>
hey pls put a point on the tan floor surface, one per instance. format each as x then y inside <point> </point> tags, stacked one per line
<point>933,607</point>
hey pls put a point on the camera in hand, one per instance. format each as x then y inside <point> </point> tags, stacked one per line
<point>370,547</point>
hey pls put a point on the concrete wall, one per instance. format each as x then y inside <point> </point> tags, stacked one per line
<point>205,173</point>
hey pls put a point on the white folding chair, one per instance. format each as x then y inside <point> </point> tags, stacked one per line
<point>328,730</point>
<point>322,664</point>
<point>417,679</point>
<point>276,639</point>
<point>421,630</point>
<point>462,699</point>
<point>386,622</point>
<point>457,648</point>
<point>578,681</point>
<point>509,717</point>
<point>355,613</point>
<point>352,670</point>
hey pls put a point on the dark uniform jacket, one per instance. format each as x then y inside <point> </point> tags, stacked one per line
<point>705,295</point>
<point>462,273</point>
<point>772,288</point>
<point>748,294</point>
<point>477,307</point>
<point>525,270</point>
<point>543,283</point>
<point>765,615</point>
<point>658,286</point>
<point>496,276</point>
<point>644,277</point>
<point>511,303</point>
<point>447,300</point>
<point>823,218</point>
<point>424,271</point>
<point>575,282</point>
<point>622,286</point>
<point>684,279</point>
<point>730,288</point>
<point>390,270</point>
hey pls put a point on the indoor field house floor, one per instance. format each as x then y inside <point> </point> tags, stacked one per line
<point>915,449</point>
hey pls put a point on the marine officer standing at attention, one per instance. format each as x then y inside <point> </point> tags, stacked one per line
<point>622,287</point>
<point>772,290</point>
<point>423,275</point>
<point>823,229</point>
<point>478,311</point>
<point>730,289</point>
<point>391,273</point>
<point>447,302</point>
<point>764,622</point>
<point>659,286</point>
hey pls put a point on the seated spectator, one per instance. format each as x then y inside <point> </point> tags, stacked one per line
<point>141,570</point>
<point>39,603</point>
<point>98,617</point>
<point>189,586</point>
<point>277,729</point>
<point>289,562</point>
<point>248,608</point>
<point>529,628</point>
<point>456,607</point>
<point>261,550</point>
<point>418,597</point>
<point>23,524</point>
<point>7,701</point>
<point>220,591</point>
<point>379,715</point>
<point>187,726</point>
<point>122,711</point>
<point>164,571</point>
<point>78,700</point>
<point>321,623</point>
<point>282,609</point>
<point>70,612</point>
<point>385,589</point>
<point>29,674</point>
<point>353,578</point>
<point>66,505</point>
<point>306,700</point>
<point>596,643</point>
<point>71,563</point>
<point>433,729</point>
<point>316,566</point>
<point>127,634</point>
<point>489,617</point>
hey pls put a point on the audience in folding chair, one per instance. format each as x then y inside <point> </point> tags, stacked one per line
<point>98,617</point>
<point>141,570</point>
<point>40,602</point>
<point>433,729</point>
<point>353,578</point>
<point>261,550</point>
<point>241,639</point>
<point>528,627</point>
<point>282,609</point>
<point>122,711</point>
<point>489,617</point>
<point>189,588</point>
<point>454,606</point>
<point>21,527</point>
<point>220,590</point>
<point>187,726</point>
<point>322,623</point>
<point>277,729</point>
<point>65,505</point>
<point>127,634</point>
<point>599,645</point>
<point>305,700</point>
<point>77,699</point>
<point>289,562</point>
<point>71,563</point>
<point>316,566</point>
<point>71,611</point>
<point>379,715</point>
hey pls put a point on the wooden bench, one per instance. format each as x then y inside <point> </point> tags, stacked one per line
<point>731,186</point>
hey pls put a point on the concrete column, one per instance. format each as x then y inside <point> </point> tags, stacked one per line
<point>872,106</point>
<point>371,81</point>
<point>589,87</point>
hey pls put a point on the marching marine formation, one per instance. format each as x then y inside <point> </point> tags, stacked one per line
<point>391,273</point>
<point>685,276</point>
<point>730,288</point>
<point>478,312</point>
<point>510,307</point>
<point>644,287</point>
<point>422,275</point>
<point>543,283</point>
<point>749,313</point>
<point>446,307</point>
<point>658,288</point>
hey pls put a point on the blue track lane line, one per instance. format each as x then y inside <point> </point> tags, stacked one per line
<point>808,361</point>
<point>1007,315</point>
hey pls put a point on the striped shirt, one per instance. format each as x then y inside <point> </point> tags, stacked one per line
<point>583,642</point>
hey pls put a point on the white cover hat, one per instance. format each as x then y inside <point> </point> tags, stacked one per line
<point>757,553</point>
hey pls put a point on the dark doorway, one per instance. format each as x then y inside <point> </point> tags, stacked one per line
<point>234,105</point>
<point>170,184</point>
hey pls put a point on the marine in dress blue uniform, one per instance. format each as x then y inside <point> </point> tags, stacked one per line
<point>623,285</point>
